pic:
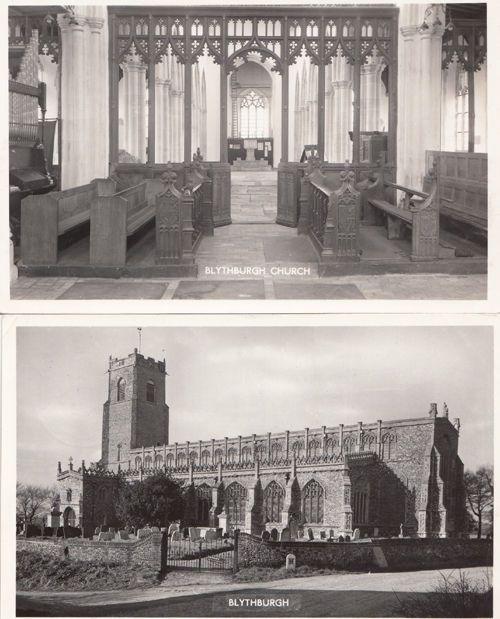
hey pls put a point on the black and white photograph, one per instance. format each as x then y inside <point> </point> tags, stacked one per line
<point>248,151</point>
<point>199,471</point>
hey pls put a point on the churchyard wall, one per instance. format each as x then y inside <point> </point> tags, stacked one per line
<point>383,554</point>
<point>145,551</point>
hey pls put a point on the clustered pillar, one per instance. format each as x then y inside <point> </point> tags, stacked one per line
<point>419,96</point>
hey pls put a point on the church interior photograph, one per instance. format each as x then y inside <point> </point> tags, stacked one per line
<point>256,152</point>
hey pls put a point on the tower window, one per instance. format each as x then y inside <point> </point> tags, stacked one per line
<point>120,390</point>
<point>69,495</point>
<point>150,392</point>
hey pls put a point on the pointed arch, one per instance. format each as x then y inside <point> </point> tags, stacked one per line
<point>313,502</point>
<point>203,503</point>
<point>235,500</point>
<point>274,496</point>
<point>120,389</point>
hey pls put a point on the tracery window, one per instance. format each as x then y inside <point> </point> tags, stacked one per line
<point>181,459</point>
<point>312,502</point>
<point>169,461</point>
<point>147,462</point>
<point>69,495</point>
<point>204,497</point>
<point>275,451</point>
<point>218,456</point>
<point>314,448</point>
<point>246,454</point>
<point>138,463</point>
<point>193,457</point>
<point>252,116</point>
<point>120,390</point>
<point>298,449</point>
<point>231,455</point>
<point>236,496</point>
<point>205,457</point>
<point>273,502</point>
<point>158,461</point>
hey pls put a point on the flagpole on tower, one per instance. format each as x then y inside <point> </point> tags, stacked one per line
<point>139,329</point>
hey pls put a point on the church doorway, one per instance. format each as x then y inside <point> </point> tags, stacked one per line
<point>69,517</point>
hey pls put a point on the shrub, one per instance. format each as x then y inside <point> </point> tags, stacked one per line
<point>454,596</point>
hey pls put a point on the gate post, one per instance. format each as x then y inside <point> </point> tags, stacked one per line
<point>164,553</point>
<point>235,551</point>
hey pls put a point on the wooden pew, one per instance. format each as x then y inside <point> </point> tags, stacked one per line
<point>417,210</point>
<point>46,217</point>
<point>113,219</point>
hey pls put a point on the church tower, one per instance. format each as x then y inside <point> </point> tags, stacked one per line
<point>135,413</point>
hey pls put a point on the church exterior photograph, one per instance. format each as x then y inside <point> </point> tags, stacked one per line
<point>334,151</point>
<point>377,479</point>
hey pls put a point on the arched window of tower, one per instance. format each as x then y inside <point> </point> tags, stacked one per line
<point>150,392</point>
<point>120,390</point>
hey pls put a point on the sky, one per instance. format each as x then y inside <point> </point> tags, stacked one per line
<point>227,381</point>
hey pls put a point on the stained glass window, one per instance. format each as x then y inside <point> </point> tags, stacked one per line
<point>312,502</point>
<point>273,502</point>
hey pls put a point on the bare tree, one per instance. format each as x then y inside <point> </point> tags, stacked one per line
<point>479,492</point>
<point>32,501</point>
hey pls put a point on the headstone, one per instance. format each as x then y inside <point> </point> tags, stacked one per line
<point>332,533</point>
<point>322,534</point>
<point>194,534</point>
<point>274,535</point>
<point>401,531</point>
<point>292,525</point>
<point>310,534</point>
<point>121,536</point>
<point>356,534</point>
<point>341,538</point>
<point>290,563</point>
<point>112,530</point>
<point>173,527</point>
<point>97,530</point>
<point>219,531</point>
<point>285,535</point>
<point>210,535</point>
<point>154,530</point>
<point>176,536</point>
<point>265,535</point>
<point>185,532</point>
<point>105,536</point>
<point>347,538</point>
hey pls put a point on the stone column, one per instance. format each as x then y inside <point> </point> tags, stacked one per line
<point>419,91</point>
<point>370,102</point>
<point>341,110</point>
<point>84,96</point>
<point>159,119</point>
<point>76,139</point>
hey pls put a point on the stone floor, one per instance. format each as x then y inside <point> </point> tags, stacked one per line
<point>254,258</point>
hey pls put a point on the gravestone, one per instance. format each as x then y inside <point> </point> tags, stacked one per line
<point>274,535</point>
<point>265,535</point>
<point>285,535</point>
<point>290,563</point>
<point>332,533</point>
<point>194,534</point>
<point>173,527</point>
<point>310,534</point>
<point>176,536</point>
<point>322,534</point>
<point>210,535</point>
<point>341,538</point>
<point>105,536</point>
<point>401,531</point>
<point>293,528</point>
<point>122,536</point>
<point>219,531</point>
<point>185,532</point>
<point>112,530</point>
<point>356,534</point>
<point>347,538</point>
<point>154,530</point>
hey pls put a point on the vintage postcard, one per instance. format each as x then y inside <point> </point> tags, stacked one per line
<point>226,152</point>
<point>279,469</point>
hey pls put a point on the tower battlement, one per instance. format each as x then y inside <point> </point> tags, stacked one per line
<point>135,358</point>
